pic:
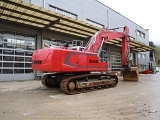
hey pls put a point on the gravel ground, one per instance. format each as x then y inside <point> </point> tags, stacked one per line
<point>30,100</point>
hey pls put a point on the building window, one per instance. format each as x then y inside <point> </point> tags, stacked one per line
<point>141,34</point>
<point>139,55</point>
<point>51,42</point>
<point>138,32</point>
<point>144,56</point>
<point>95,23</point>
<point>63,12</point>
<point>16,52</point>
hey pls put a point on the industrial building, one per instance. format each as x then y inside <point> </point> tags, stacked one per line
<point>27,25</point>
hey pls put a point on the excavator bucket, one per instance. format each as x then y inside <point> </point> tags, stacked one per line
<point>131,74</point>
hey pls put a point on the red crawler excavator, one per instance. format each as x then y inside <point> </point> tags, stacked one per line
<point>82,71</point>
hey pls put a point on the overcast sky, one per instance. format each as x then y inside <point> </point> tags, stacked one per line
<point>143,12</point>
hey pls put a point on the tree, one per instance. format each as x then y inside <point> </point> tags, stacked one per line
<point>157,54</point>
<point>151,44</point>
<point>151,53</point>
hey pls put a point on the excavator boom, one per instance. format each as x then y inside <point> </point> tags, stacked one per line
<point>104,35</point>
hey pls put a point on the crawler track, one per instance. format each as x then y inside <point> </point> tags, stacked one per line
<point>81,84</point>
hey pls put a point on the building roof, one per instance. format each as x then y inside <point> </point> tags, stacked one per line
<point>133,44</point>
<point>24,13</point>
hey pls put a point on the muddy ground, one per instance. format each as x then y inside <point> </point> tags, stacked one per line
<point>30,100</point>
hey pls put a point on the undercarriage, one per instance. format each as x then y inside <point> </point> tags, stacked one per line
<point>79,83</point>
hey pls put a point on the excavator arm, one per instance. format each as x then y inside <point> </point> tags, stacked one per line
<point>96,42</point>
